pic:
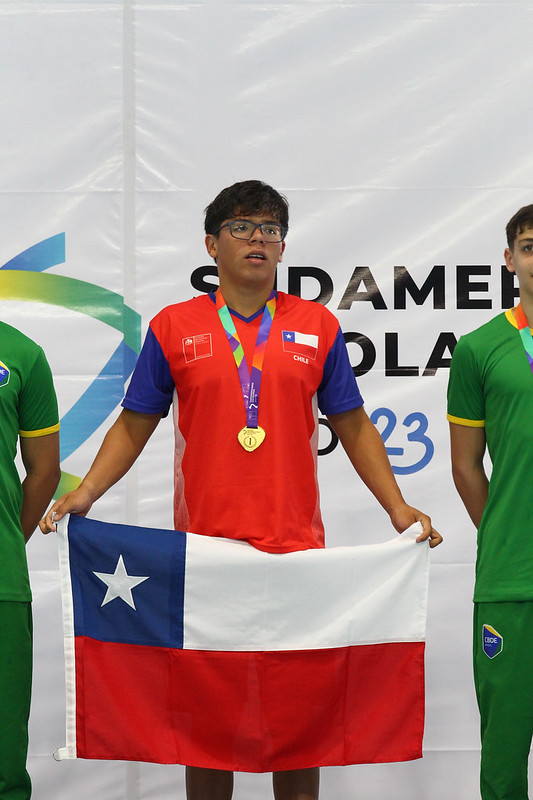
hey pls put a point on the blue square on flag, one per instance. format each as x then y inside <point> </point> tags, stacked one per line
<point>127,583</point>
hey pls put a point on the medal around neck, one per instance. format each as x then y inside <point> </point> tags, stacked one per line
<point>252,435</point>
<point>251,438</point>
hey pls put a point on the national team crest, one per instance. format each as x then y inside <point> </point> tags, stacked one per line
<point>492,641</point>
<point>4,374</point>
<point>198,346</point>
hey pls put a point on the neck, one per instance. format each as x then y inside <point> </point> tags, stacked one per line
<point>527,307</point>
<point>245,303</point>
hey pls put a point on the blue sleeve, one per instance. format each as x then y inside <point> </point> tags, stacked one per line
<point>151,387</point>
<point>338,390</point>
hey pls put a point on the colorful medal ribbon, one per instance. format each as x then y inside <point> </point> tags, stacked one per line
<point>250,379</point>
<point>525,333</point>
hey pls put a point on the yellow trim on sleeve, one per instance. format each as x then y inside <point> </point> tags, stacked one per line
<point>41,432</point>
<point>469,423</point>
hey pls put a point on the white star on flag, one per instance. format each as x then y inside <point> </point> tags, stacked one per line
<point>119,583</point>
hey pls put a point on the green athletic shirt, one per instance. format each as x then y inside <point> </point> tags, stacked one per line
<point>491,385</point>
<point>28,407</point>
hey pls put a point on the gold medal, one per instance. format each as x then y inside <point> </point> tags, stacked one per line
<point>251,438</point>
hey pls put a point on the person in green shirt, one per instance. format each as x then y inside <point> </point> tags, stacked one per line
<point>490,407</point>
<point>29,419</point>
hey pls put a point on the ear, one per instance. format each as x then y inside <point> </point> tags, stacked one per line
<point>211,245</point>
<point>280,258</point>
<point>508,255</point>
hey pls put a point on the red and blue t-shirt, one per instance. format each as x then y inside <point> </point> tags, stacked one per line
<point>268,497</point>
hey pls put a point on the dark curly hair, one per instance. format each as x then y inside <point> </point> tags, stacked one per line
<point>246,199</point>
<point>522,220</point>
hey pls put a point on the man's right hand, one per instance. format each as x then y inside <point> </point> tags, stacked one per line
<point>77,502</point>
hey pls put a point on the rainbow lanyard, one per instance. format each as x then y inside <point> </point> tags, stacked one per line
<point>525,333</point>
<point>250,379</point>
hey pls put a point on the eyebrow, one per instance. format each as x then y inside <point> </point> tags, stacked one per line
<point>265,222</point>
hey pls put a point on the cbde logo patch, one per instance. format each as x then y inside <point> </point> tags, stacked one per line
<point>492,641</point>
<point>4,374</point>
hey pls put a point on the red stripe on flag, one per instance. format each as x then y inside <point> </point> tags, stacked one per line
<point>251,712</point>
<point>299,348</point>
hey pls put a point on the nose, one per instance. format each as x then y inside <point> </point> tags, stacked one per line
<point>257,234</point>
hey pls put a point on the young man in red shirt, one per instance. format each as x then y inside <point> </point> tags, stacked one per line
<point>246,370</point>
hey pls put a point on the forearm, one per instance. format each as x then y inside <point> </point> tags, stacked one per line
<point>121,447</point>
<point>38,489</point>
<point>365,449</point>
<point>118,452</point>
<point>473,488</point>
<point>40,456</point>
<point>370,460</point>
<point>467,445</point>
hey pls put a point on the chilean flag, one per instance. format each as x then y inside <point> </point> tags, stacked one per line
<point>196,650</point>
<point>302,344</point>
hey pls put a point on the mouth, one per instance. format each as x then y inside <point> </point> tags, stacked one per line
<point>258,255</point>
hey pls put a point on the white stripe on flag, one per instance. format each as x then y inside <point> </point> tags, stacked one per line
<point>336,596</point>
<point>309,339</point>
<point>69,751</point>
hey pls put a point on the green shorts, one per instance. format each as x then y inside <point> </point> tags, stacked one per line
<point>15,693</point>
<point>503,670</point>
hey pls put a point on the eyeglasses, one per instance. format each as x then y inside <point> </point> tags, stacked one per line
<point>245,229</point>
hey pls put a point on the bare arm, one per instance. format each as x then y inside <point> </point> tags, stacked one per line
<point>120,449</point>
<point>40,456</point>
<point>365,449</point>
<point>467,449</point>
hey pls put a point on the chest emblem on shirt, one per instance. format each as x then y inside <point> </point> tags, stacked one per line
<point>198,346</point>
<point>300,344</point>
<point>4,374</point>
<point>492,641</point>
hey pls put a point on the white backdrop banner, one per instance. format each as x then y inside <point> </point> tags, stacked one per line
<point>399,134</point>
